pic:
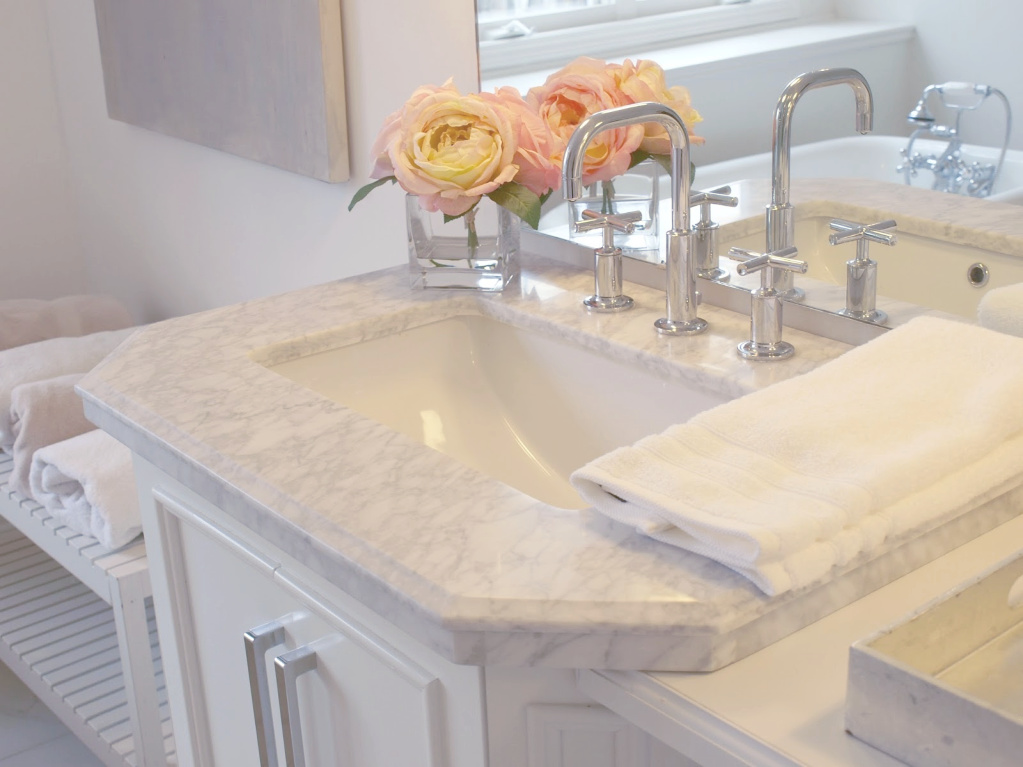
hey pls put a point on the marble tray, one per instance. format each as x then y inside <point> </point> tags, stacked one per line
<point>945,685</point>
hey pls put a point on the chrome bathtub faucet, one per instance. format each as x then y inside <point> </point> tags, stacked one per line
<point>680,272</point>
<point>780,221</point>
<point>765,302</point>
<point>951,172</point>
<point>607,259</point>
<point>861,271</point>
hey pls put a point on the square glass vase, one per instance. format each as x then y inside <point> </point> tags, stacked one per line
<point>477,251</point>
<point>635,190</point>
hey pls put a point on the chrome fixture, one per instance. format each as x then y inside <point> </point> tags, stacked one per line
<point>607,259</point>
<point>780,223</point>
<point>978,274</point>
<point>706,231</point>
<point>680,276</point>
<point>861,272</point>
<point>951,172</point>
<point>765,302</point>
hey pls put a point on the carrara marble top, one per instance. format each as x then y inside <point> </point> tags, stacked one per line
<point>473,568</point>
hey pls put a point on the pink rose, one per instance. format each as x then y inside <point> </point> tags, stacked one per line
<point>569,96</point>
<point>448,149</point>
<point>644,81</point>
<point>538,172</point>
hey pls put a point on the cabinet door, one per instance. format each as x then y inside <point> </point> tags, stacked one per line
<point>273,675</point>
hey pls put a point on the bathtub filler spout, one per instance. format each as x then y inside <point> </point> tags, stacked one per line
<point>680,288</point>
<point>780,222</point>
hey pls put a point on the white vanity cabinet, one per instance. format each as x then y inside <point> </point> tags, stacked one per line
<point>253,641</point>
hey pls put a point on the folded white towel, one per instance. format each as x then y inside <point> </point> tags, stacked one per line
<point>87,484</point>
<point>49,359</point>
<point>28,320</point>
<point>43,412</point>
<point>1001,309</point>
<point>789,482</point>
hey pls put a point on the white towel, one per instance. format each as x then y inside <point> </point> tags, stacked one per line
<point>28,320</point>
<point>43,412</point>
<point>87,484</point>
<point>789,482</point>
<point>49,359</point>
<point>1001,309</point>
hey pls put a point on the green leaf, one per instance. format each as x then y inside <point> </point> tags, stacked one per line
<point>516,198</point>
<point>361,194</point>
<point>661,159</point>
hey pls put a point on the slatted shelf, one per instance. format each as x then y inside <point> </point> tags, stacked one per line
<point>77,626</point>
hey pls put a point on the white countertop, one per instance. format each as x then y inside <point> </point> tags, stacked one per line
<point>475,569</point>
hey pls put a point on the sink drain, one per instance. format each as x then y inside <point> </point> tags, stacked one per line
<point>978,275</point>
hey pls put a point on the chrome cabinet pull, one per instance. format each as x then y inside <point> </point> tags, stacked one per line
<point>257,642</point>
<point>287,668</point>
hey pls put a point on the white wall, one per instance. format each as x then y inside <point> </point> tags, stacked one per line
<point>975,42</point>
<point>40,256</point>
<point>172,228</point>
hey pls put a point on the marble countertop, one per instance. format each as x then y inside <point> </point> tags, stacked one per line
<point>473,568</point>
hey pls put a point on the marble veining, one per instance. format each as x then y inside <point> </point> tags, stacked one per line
<point>472,567</point>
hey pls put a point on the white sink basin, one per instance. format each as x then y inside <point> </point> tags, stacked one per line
<point>916,270</point>
<point>516,405</point>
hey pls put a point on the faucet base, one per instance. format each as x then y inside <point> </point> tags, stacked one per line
<point>779,350</point>
<point>608,303</point>
<point>876,316</point>
<point>718,274</point>
<point>679,327</point>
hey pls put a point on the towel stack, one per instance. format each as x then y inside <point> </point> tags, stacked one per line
<point>1001,309</point>
<point>79,474</point>
<point>28,320</point>
<point>785,484</point>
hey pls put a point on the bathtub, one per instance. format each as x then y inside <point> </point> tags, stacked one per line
<point>873,157</point>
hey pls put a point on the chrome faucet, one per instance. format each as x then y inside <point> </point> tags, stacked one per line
<point>680,288</point>
<point>780,222</point>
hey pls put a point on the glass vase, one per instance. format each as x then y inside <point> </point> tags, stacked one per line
<point>477,251</point>
<point>635,190</point>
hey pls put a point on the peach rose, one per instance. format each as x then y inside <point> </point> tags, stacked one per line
<point>537,171</point>
<point>569,96</point>
<point>644,81</point>
<point>447,148</point>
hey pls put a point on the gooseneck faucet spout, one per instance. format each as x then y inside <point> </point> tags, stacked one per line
<point>780,222</point>
<point>680,289</point>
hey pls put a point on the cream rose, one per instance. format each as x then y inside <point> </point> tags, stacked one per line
<point>644,81</point>
<point>569,96</point>
<point>447,148</point>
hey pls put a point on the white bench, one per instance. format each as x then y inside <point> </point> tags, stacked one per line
<point>77,626</point>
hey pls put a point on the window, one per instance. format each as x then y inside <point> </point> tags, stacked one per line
<point>524,35</point>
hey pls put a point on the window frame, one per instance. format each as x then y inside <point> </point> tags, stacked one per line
<point>603,39</point>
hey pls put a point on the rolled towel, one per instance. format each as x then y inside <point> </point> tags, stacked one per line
<point>49,359</point>
<point>43,412</point>
<point>87,484</point>
<point>1001,309</point>
<point>787,483</point>
<point>29,320</point>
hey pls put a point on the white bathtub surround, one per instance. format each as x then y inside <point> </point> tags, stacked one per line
<point>791,481</point>
<point>43,412</point>
<point>28,320</point>
<point>473,568</point>
<point>49,359</point>
<point>86,483</point>
<point>1002,309</point>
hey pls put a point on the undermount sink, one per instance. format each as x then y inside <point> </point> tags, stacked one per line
<point>519,406</point>
<point>939,275</point>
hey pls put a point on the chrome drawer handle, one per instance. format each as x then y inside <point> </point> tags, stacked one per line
<point>257,642</point>
<point>287,668</point>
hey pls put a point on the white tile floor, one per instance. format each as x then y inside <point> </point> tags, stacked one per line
<point>30,735</point>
